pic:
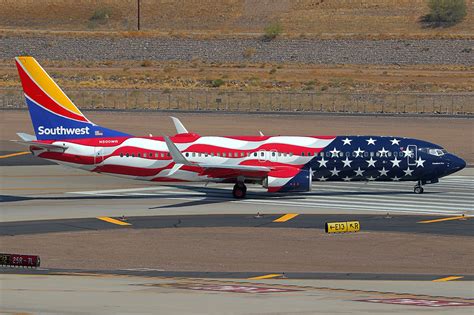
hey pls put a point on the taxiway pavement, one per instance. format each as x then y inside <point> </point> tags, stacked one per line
<point>56,192</point>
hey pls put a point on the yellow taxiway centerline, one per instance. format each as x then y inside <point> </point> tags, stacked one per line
<point>448,278</point>
<point>14,154</point>
<point>113,221</point>
<point>269,276</point>
<point>443,219</point>
<point>286,217</point>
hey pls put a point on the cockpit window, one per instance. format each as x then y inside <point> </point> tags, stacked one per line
<point>435,152</point>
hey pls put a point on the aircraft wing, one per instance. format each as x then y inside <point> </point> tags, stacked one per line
<point>180,160</point>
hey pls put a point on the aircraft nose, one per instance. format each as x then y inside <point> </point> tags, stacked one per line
<point>456,163</point>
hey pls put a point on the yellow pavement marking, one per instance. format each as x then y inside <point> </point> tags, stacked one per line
<point>114,221</point>
<point>443,219</point>
<point>448,278</point>
<point>269,276</point>
<point>14,154</point>
<point>286,217</point>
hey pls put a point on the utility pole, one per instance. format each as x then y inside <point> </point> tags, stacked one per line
<point>138,14</point>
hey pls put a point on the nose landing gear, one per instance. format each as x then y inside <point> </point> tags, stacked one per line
<point>418,188</point>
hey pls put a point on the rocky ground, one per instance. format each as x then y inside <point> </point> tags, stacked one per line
<point>314,51</point>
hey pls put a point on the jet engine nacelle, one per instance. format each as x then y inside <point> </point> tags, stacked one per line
<point>288,179</point>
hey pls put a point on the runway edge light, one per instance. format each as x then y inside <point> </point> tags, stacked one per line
<point>342,227</point>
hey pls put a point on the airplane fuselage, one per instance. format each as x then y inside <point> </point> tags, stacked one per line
<point>296,160</point>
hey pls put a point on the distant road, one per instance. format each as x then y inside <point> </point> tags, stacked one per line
<point>379,52</point>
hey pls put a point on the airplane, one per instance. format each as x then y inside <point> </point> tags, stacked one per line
<point>63,134</point>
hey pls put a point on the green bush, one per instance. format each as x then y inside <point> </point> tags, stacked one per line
<point>271,31</point>
<point>217,83</point>
<point>444,12</point>
<point>100,15</point>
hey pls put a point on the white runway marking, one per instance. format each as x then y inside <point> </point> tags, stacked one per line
<point>452,196</point>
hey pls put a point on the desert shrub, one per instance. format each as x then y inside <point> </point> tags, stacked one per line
<point>444,12</point>
<point>100,15</point>
<point>217,83</point>
<point>249,52</point>
<point>146,63</point>
<point>272,30</point>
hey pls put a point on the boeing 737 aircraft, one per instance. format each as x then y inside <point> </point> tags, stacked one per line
<point>279,163</point>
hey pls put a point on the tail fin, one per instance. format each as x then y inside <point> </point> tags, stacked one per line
<point>53,114</point>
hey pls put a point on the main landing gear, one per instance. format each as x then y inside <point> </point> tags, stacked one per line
<point>239,191</point>
<point>418,188</point>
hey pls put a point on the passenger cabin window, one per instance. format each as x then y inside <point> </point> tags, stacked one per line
<point>121,154</point>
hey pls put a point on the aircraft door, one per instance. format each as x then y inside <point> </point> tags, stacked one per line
<point>98,155</point>
<point>411,159</point>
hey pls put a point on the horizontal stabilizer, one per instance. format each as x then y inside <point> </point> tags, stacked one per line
<point>30,140</point>
<point>26,137</point>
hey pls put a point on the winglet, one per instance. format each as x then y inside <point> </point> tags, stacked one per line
<point>177,156</point>
<point>179,126</point>
<point>261,133</point>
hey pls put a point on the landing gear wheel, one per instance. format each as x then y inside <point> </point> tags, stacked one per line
<point>239,191</point>
<point>418,189</point>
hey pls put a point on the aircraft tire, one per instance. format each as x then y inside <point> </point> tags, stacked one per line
<point>418,190</point>
<point>239,191</point>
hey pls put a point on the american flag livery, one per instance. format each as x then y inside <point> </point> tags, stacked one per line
<point>149,159</point>
<point>280,163</point>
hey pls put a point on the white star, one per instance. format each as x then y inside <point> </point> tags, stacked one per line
<point>334,172</point>
<point>347,162</point>
<point>408,172</point>
<point>323,162</point>
<point>371,178</point>
<point>346,141</point>
<point>347,179</point>
<point>383,172</point>
<point>359,172</point>
<point>371,162</point>
<point>314,173</point>
<point>383,152</point>
<point>395,141</point>
<point>395,179</point>
<point>420,162</point>
<point>322,179</point>
<point>334,152</point>
<point>359,152</point>
<point>408,152</point>
<point>395,162</point>
<point>371,141</point>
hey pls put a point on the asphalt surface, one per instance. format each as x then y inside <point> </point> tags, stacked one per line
<point>151,273</point>
<point>392,223</point>
<point>111,294</point>
<point>55,192</point>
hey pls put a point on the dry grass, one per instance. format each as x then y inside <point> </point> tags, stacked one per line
<point>252,77</point>
<point>321,18</point>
